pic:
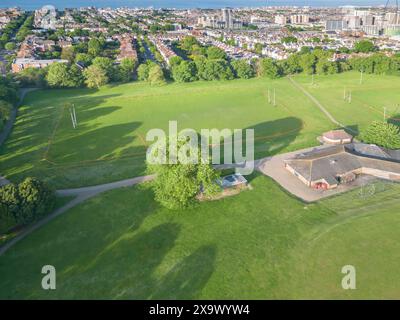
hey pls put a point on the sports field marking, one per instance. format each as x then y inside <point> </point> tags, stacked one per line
<point>53,134</point>
<point>141,154</point>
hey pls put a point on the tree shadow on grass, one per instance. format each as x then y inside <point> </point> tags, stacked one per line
<point>270,138</point>
<point>395,119</point>
<point>36,125</point>
<point>119,258</point>
<point>352,130</point>
<point>95,144</point>
<point>124,268</point>
<point>188,277</point>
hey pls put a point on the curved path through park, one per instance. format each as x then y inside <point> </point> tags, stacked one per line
<point>81,195</point>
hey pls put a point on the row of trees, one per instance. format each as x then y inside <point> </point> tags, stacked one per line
<point>211,63</point>
<point>24,203</point>
<point>12,28</point>
<point>198,63</point>
<point>61,75</point>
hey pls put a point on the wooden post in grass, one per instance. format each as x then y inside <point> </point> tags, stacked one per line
<point>269,96</point>
<point>274,97</point>
<point>350,96</point>
<point>361,77</point>
<point>384,114</point>
<point>344,94</point>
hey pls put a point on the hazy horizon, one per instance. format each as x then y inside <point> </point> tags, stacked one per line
<point>61,4</point>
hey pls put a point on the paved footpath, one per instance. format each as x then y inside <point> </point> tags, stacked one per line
<point>81,195</point>
<point>270,166</point>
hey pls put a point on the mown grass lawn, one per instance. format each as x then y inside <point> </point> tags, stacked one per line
<point>368,99</point>
<point>109,143</point>
<point>261,244</point>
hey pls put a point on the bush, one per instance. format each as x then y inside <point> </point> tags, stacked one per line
<point>36,199</point>
<point>26,202</point>
<point>382,134</point>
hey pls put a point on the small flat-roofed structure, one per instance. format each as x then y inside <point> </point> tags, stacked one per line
<point>337,137</point>
<point>232,181</point>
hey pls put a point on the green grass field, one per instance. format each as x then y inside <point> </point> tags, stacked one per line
<point>109,143</point>
<point>368,99</point>
<point>261,244</point>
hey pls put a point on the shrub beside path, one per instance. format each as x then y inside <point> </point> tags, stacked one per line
<point>81,195</point>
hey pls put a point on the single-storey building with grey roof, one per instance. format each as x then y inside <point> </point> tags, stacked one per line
<point>327,168</point>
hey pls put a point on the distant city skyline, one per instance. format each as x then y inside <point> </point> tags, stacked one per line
<point>61,4</point>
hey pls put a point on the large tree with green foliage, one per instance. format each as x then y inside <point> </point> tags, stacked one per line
<point>364,46</point>
<point>215,70</point>
<point>185,72</point>
<point>143,72</point>
<point>383,134</point>
<point>156,75</point>
<point>107,65</point>
<point>268,67</point>
<point>61,75</point>
<point>32,77</point>
<point>126,69</point>
<point>58,75</point>
<point>95,47</point>
<point>215,53</point>
<point>95,77</point>
<point>308,63</point>
<point>177,185</point>
<point>243,69</point>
